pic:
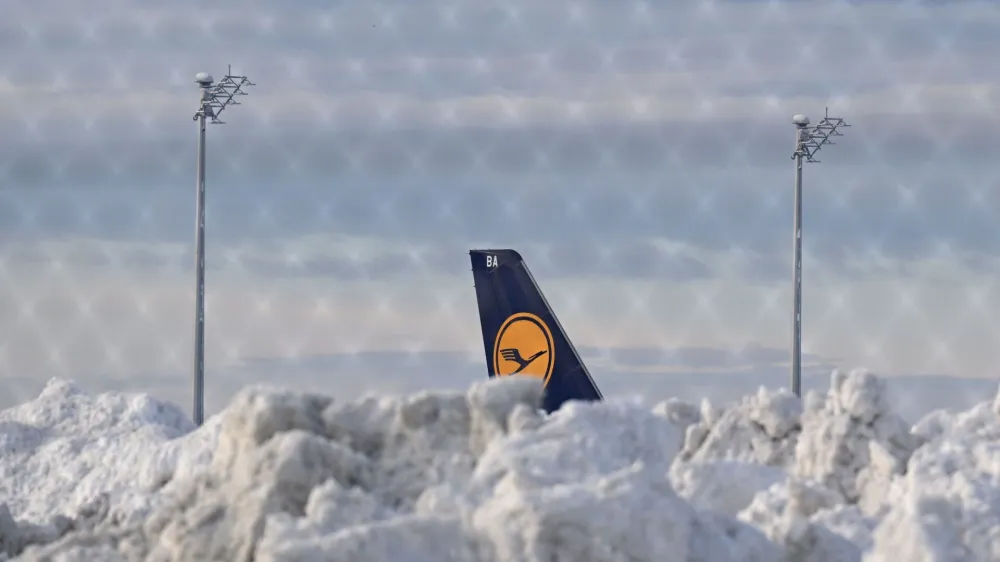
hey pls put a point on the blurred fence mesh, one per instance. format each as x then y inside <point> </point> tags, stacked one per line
<point>637,154</point>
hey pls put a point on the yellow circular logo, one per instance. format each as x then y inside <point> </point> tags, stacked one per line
<point>524,346</point>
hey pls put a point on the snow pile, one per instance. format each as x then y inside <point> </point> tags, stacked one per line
<point>809,522</point>
<point>760,429</point>
<point>849,449</point>
<point>68,457</point>
<point>483,476</point>
<point>851,440</point>
<point>55,451</point>
<point>480,476</point>
<point>947,506</point>
<point>731,454</point>
<point>845,477</point>
<point>723,486</point>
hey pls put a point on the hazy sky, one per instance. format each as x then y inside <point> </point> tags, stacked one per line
<point>637,154</point>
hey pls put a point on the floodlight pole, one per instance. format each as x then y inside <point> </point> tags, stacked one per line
<point>801,122</point>
<point>199,268</point>
<point>214,99</point>
<point>808,141</point>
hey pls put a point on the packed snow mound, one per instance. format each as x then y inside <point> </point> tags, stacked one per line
<point>54,451</point>
<point>842,475</point>
<point>680,413</point>
<point>810,522</point>
<point>485,476</point>
<point>723,486</point>
<point>761,429</point>
<point>946,508</point>
<point>68,456</point>
<point>851,440</point>
<point>480,476</point>
<point>793,472</point>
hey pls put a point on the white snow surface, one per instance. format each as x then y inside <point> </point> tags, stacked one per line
<point>484,476</point>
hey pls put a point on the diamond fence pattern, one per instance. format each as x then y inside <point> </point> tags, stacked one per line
<point>637,155</point>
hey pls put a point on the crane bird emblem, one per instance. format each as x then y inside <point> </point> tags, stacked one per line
<point>524,346</point>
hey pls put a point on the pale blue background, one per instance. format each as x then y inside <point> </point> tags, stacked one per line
<point>637,154</point>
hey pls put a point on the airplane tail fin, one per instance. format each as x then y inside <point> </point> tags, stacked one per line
<point>521,334</point>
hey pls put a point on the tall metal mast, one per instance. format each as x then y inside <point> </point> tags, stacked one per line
<point>214,99</point>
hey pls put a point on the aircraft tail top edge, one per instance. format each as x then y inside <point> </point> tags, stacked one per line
<point>521,334</point>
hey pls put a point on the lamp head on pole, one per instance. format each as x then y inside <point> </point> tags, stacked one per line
<point>204,79</point>
<point>800,120</point>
